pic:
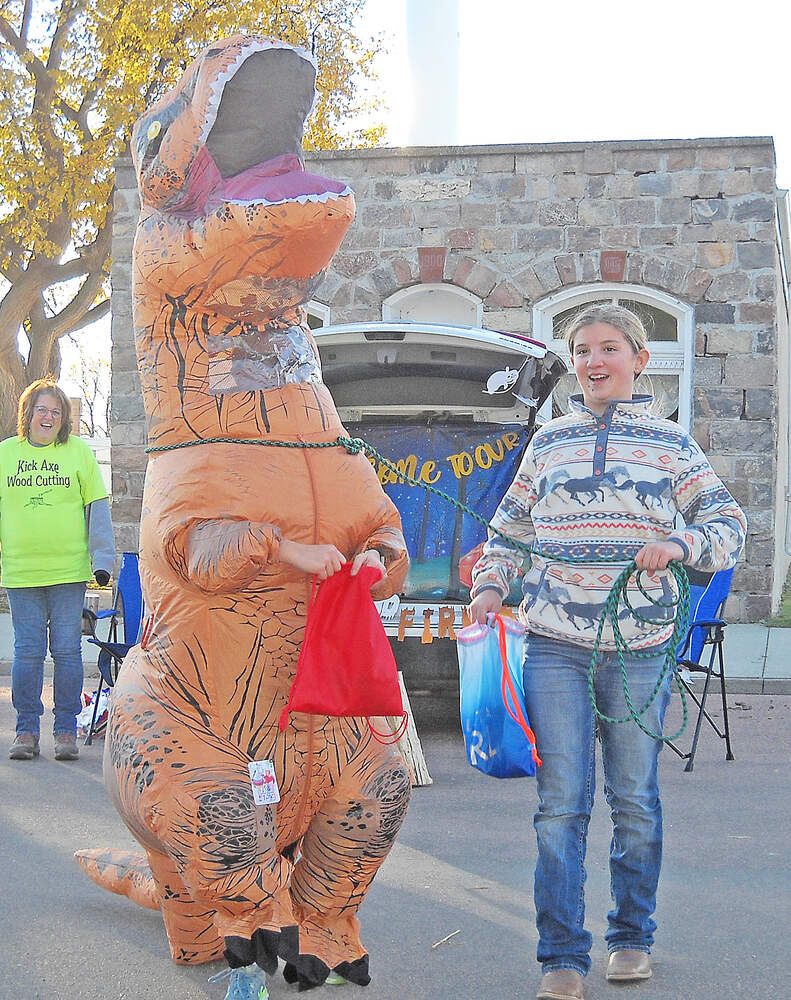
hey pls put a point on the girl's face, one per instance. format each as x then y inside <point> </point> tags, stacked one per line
<point>46,420</point>
<point>605,364</point>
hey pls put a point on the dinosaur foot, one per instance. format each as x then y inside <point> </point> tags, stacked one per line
<point>266,946</point>
<point>350,972</point>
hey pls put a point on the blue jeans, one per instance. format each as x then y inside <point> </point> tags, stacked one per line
<point>560,713</point>
<point>36,611</point>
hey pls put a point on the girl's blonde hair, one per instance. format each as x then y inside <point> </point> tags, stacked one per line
<point>630,325</point>
<point>27,401</point>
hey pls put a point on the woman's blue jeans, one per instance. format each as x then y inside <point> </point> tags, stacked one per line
<point>39,614</point>
<point>560,713</point>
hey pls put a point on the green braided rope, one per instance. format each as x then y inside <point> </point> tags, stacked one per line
<point>618,592</point>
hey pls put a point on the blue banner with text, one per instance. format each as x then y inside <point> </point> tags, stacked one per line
<point>474,465</point>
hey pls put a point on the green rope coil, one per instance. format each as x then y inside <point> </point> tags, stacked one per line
<point>618,592</point>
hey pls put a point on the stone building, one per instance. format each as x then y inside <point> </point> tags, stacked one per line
<point>692,233</point>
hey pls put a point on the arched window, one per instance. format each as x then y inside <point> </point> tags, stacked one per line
<point>318,314</point>
<point>668,322</point>
<point>434,303</point>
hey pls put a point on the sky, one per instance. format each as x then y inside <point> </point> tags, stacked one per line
<point>574,71</point>
<point>577,71</point>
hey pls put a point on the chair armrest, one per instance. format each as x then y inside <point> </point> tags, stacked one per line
<point>116,649</point>
<point>110,653</point>
<point>709,623</point>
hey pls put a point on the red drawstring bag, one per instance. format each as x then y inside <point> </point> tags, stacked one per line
<point>346,666</point>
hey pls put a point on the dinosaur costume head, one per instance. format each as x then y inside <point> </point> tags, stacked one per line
<point>234,234</point>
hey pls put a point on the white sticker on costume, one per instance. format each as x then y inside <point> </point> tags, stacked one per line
<point>264,782</point>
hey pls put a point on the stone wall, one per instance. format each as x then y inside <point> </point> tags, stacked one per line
<point>694,219</point>
<point>127,417</point>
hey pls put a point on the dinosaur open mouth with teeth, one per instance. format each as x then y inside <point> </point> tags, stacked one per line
<point>231,134</point>
<point>249,149</point>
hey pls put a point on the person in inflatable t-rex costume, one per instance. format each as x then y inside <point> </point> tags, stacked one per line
<point>234,236</point>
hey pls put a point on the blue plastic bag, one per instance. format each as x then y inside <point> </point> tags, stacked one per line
<point>494,720</point>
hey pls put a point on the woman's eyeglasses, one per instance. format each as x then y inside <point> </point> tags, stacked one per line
<point>42,411</point>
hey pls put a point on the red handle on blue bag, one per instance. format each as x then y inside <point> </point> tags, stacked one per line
<point>508,689</point>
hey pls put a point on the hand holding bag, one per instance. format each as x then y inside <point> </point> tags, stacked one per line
<point>494,721</point>
<point>346,666</point>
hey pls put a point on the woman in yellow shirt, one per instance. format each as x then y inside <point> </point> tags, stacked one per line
<point>55,531</point>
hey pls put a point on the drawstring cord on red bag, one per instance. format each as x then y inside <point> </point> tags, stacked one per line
<point>509,691</point>
<point>389,738</point>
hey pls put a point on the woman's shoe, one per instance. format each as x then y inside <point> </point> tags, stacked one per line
<point>628,964</point>
<point>66,747</point>
<point>24,747</point>
<point>560,984</point>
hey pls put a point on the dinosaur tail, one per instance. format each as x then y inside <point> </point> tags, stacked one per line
<point>122,872</point>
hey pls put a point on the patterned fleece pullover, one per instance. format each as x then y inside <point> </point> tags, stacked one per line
<point>592,488</point>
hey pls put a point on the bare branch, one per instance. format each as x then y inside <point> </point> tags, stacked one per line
<point>72,317</point>
<point>43,81</point>
<point>99,80</point>
<point>68,270</point>
<point>88,98</point>
<point>29,60</point>
<point>152,91</point>
<point>66,18</point>
<point>94,314</point>
<point>77,117</point>
<point>27,11</point>
<point>38,358</point>
<point>45,84</point>
<point>90,258</point>
<point>53,360</point>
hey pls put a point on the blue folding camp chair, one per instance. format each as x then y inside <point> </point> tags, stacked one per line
<point>125,622</point>
<point>707,595</point>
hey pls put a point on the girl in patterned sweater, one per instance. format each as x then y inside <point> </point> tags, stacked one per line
<point>607,481</point>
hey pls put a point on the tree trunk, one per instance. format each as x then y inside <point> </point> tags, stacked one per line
<point>9,396</point>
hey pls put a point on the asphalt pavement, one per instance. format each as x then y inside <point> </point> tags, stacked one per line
<point>450,915</point>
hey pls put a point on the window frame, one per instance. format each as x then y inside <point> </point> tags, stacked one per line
<point>667,357</point>
<point>391,306</point>
<point>319,310</point>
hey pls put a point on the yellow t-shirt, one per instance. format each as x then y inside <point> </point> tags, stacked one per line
<point>43,495</point>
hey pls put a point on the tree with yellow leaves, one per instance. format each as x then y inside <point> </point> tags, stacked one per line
<point>74,76</point>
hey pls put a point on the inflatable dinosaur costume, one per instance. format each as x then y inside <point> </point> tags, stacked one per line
<point>233,237</point>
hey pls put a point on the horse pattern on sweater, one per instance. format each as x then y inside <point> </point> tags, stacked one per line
<point>595,489</point>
